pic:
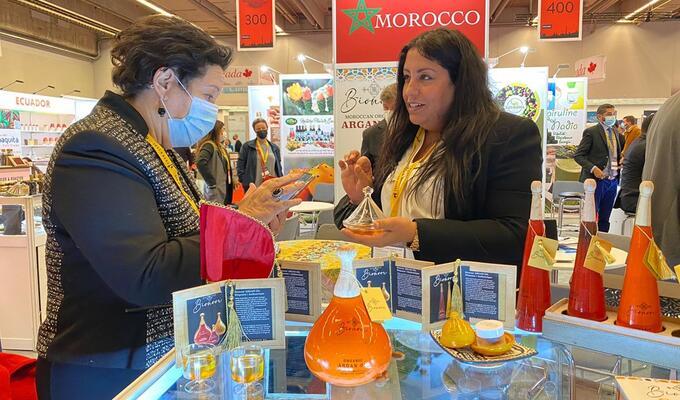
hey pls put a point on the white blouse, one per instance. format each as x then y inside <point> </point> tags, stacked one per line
<point>419,204</point>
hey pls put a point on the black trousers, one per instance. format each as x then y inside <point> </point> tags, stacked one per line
<point>57,381</point>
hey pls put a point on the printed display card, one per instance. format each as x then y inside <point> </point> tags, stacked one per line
<point>201,314</point>
<point>303,290</point>
<point>489,292</point>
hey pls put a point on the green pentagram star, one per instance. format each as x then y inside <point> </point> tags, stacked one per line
<point>356,13</point>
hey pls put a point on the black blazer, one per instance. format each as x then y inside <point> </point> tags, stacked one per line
<point>246,168</point>
<point>120,237</point>
<point>372,140</point>
<point>494,220</point>
<point>594,151</point>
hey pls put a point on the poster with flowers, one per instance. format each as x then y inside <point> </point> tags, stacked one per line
<point>306,122</point>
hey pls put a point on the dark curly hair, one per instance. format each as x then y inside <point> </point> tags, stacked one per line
<point>158,41</point>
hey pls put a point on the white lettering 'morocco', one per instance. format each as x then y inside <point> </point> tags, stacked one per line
<point>428,19</point>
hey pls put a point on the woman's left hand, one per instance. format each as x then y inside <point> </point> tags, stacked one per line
<point>397,231</point>
<point>278,222</point>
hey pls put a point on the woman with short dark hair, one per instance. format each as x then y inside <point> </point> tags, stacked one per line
<point>121,211</point>
<point>454,173</point>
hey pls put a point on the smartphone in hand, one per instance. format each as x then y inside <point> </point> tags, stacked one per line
<point>306,178</point>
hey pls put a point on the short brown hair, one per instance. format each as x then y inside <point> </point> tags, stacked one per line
<point>258,120</point>
<point>630,119</point>
<point>603,108</point>
<point>159,41</point>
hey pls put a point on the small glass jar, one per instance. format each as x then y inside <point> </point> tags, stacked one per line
<point>489,332</point>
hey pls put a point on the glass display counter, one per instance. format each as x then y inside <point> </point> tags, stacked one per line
<point>23,291</point>
<point>422,372</point>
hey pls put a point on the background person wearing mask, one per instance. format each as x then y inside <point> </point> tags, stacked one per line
<point>599,155</point>
<point>630,132</point>
<point>214,166</point>
<point>259,159</point>
<point>372,137</point>
<point>631,176</point>
<point>121,212</point>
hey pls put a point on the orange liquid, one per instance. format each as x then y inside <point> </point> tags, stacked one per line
<point>201,366</point>
<point>247,369</point>
<point>534,287</point>
<point>344,347</point>
<point>640,307</point>
<point>366,231</point>
<point>586,296</point>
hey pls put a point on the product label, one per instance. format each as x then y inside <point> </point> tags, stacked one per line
<point>408,289</point>
<point>377,277</point>
<point>656,263</point>
<point>375,303</point>
<point>598,255</point>
<point>543,252</point>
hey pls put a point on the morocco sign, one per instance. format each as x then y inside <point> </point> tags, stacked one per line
<point>377,30</point>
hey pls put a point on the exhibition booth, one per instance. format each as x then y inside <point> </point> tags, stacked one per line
<point>587,314</point>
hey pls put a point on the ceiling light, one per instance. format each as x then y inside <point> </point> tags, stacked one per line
<point>524,49</point>
<point>651,3</point>
<point>154,7</point>
<point>278,29</point>
<point>301,57</point>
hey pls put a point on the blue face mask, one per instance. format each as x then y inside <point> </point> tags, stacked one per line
<point>610,120</point>
<point>200,119</point>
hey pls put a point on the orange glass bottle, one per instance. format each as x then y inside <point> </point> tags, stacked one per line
<point>640,307</point>
<point>344,347</point>
<point>534,286</point>
<point>586,294</point>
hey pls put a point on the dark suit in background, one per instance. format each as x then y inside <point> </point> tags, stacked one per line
<point>594,151</point>
<point>631,177</point>
<point>372,140</point>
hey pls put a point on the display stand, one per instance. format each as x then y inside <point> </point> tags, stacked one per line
<point>23,287</point>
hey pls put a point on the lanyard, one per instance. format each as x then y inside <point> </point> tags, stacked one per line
<point>263,156</point>
<point>405,174</point>
<point>171,168</point>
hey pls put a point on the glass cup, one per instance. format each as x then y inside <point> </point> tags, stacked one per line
<point>247,367</point>
<point>199,364</point>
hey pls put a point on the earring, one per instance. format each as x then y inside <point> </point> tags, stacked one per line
<point>161,111</point>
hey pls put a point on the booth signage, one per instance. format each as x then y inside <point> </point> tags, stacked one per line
<point>36,103</point>
<point>255,28</point>
<point>11,139</point>
<point>376,30</point>
<point>560,20</point>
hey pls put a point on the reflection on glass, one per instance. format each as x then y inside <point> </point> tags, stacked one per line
<point>12,217</point>
<point>199,365</point>
<point>247,367</point>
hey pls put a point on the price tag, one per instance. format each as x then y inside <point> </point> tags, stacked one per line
<point>543,253</point>
<point>656,263</point>
<point>376,304</point>
<point>598,255</point>
<point>677,272</point>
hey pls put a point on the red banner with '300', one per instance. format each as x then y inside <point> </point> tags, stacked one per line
<point>256,23</point>
<point>376,30</point>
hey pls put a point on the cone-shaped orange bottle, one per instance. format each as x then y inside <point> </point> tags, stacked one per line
<point>344,347</point>
<point>534,286</point>
<point>586,294</point>
<point>640,307</point>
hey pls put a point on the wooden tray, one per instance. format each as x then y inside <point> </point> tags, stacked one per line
<point>467,355</point>
<point>661,349</point>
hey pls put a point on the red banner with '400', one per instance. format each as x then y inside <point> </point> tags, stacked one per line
<point>255,28</point>
<point>376,30</point>
<point>560,19</point>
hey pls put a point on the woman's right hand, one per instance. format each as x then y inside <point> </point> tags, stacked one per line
<point>260,203</point>
<point>356,173</point>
